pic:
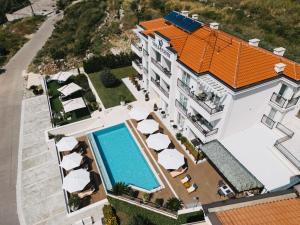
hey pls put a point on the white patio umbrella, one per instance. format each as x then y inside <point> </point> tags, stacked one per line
<point>170,159</point>
<point>71,161</point>
<point>66,144</point>
<point>76,180</point>
<point>158,141</point>
<point>148,126</point>
<point>139,113</point>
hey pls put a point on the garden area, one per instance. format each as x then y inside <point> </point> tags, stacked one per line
<point>110,87</point>
<point>58,116</point>
<point>123,213</point>
<point>13,35</point>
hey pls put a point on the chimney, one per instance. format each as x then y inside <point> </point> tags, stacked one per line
<point>195,16</point>
<point>279,67</point>
<point>214,25</point>
<point>185,13</point>
<point>254,42</point>
<point>279,51</point>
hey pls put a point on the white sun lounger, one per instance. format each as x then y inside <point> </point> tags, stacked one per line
<point>185,179</point>
<point>177,173</point>
<point>192,188</point>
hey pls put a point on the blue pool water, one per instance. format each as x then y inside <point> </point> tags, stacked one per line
<point>121,159</point>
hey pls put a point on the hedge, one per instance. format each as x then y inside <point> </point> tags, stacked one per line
<point>97,63</point>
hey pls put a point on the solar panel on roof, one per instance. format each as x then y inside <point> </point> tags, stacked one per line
<point>185,23</point>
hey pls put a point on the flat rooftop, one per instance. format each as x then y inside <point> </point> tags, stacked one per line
<point>254,148</point>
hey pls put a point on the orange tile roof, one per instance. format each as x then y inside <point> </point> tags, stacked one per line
<point>285,212</point>
<point>229,58</point>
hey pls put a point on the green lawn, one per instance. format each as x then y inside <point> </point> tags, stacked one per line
<point>110,97</point>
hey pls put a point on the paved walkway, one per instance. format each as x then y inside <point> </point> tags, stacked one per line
<point>41,199</point>
<point>11,91</point>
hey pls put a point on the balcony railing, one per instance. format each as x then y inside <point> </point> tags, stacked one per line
<point>278,144</point>
<point>200,101</point>
<point>292,102</point>
<point>138,63</point>
<point>145,52</point>
<point>199,126</point>
<point>157,84</point>
<point>161,68</point>
<point>278,100</point>
<point>181,107</point>
<point>139,48</point>
<point>194,121</point>
<point>268,121</point>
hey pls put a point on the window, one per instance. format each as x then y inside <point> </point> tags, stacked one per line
<point>272,113</point>
<point>157,56</point>
<point>282,89</point>
<point>183,100</point>
<point>186,78</point>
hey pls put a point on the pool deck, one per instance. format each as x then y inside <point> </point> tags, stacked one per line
<point>203,174</point>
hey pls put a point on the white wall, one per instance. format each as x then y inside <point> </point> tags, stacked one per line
<point>247,109</point>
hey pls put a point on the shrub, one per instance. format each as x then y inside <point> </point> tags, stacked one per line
<point>82,81</point>
<point>89,96</point>
<point>159,201</point>
<point>120,188</point>
<point>174,204</point>
<point>178,136</point>
<point>108,79</point>
<point>74,201</point>
<point>110,217</point>
<point>97,63</point>
<point>183,140</point>
<point>146,197</point>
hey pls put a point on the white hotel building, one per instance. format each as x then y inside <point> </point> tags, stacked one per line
<point>215,86</point>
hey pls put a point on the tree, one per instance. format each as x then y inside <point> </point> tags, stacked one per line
<point>3,18</point>
<point>120,188</point>
<point>108,79</point>
<point>174,204</point>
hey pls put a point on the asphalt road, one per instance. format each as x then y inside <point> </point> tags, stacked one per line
<point>11,85</point>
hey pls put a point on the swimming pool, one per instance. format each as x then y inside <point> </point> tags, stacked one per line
<point>120,159</point>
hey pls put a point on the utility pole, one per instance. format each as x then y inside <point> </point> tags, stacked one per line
<point>32,11</point>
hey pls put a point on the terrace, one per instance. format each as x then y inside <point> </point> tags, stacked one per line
<point>203,174</point>
<point>99,193</point>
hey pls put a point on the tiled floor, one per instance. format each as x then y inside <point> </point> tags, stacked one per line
<point>203,174</point>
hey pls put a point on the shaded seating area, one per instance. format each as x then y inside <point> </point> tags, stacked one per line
<point>80,176</point>
<point>238,178</point>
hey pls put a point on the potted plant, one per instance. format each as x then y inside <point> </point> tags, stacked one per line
<point>146,197</point>
<point>178,136</point>
<point>146,97</point>
<point>74,202</point>
<point>155,108</point>
<point>122,100</point>
<point>159,202</point>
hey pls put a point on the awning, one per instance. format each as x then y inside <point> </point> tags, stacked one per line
<point>158,141</point>
<point>139,113</point>
<point>171,159</point>
<point>71,161</point>
<point>69,89</point>
<point>234,172</point>
<point>148,126</point>
<point>73,104</point>
<point>62,76</point>
<point>76,180</point>
<point>66,144</point>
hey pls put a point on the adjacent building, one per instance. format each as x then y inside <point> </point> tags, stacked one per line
<point>214,86</point>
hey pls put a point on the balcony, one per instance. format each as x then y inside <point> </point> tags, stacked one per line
<point>137,65</point>
<point>136,49</point>
<point>268,121</point>
<point>197,120</point>
<point>161,68</point>
<point>157,84</point>
<point>282,102</point>
<point>278,100</point>
<point>181,107</point>
<point>203,126</point>
<point>201,99</point>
